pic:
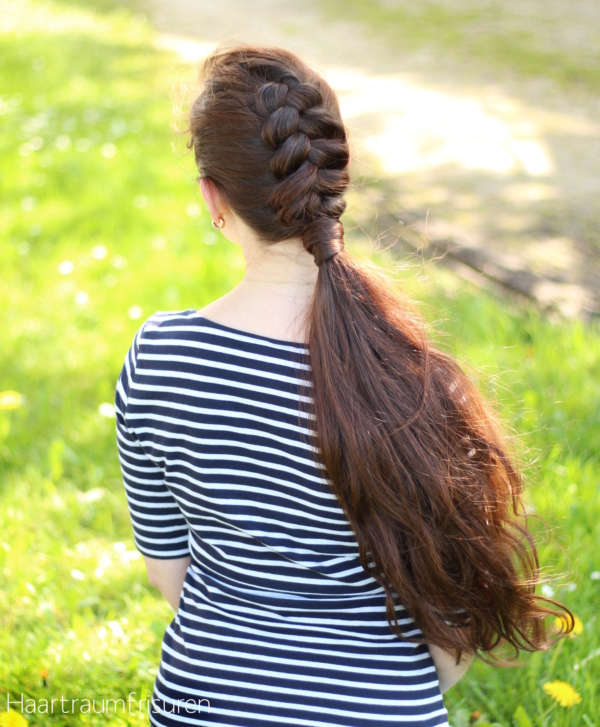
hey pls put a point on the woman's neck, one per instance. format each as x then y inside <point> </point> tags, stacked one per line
<point>275,293</point>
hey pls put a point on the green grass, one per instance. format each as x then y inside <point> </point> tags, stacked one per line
<point>76,602</point>
<point>478,36</point>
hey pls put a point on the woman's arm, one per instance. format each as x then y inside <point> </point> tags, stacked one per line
<point>449,673</point>
<point>168,576</point>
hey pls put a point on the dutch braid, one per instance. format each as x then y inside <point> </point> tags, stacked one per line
<point>309,162</point>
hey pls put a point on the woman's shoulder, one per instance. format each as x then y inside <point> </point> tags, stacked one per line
<point>170,332</point>
<point>167,320</point>
<point>163,325</point>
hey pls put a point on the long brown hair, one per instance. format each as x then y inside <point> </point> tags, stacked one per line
<point>412,453</point>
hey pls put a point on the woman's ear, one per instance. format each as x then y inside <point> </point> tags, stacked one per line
<point>213,199</point>
<point>219,210</point>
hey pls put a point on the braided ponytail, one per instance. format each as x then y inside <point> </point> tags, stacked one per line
<point>409,447</point>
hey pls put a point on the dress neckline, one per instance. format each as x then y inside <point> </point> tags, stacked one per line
<point>240,332</point>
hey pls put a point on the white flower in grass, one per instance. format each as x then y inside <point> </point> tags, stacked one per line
<point>77,574</point>
<point>63,142</point>
<point>130,555</point>
<point>66,267</point>
<point>45,607</point>
<point>120,547</point>
<point>96,493</point>
<point>10,400</point>
<point>135,312</point>
<point>108,151</point>
<point>595,575</point>
<point>117,630</point>
<point>547,591</point>
<point>99,252</point>
<point>106,410</point>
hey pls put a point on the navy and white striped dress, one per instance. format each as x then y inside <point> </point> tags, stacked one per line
<point>278,623</point>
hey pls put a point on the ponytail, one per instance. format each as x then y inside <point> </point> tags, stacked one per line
<point>411,452</point>
<point>421,471</point>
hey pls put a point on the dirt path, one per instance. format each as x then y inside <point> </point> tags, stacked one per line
<point>499,172</point>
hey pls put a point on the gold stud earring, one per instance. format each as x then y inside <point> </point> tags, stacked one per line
<point>220,224</point>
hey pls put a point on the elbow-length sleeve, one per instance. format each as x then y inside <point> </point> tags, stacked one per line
<point>159,527</point>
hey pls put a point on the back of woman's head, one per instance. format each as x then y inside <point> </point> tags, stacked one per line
<point>267,131</point>
<point>410,449</point>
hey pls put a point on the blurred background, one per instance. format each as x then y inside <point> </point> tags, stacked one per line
<point>476,137</point>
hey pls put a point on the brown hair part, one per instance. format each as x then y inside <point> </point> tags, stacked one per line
<point>410,448</point>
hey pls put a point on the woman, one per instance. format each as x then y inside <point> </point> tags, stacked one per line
<point>319,494</point>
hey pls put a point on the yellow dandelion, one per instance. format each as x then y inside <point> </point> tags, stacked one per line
<point>12,719</point>
<point>563,693</point>
<point>561,623</point>
<point>10,400</point>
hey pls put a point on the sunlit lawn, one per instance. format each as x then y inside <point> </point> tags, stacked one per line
<point>102,226</point>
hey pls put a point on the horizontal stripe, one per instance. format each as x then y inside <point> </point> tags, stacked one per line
<point>267,675</point>
<point>236,336</point>
<point>234,368</point>
<point>212,412</point>
<point>224,384</point>
<point>342,660</point>
<point>168,391</point>
<point>173,343</point>
<point>302,705</point>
